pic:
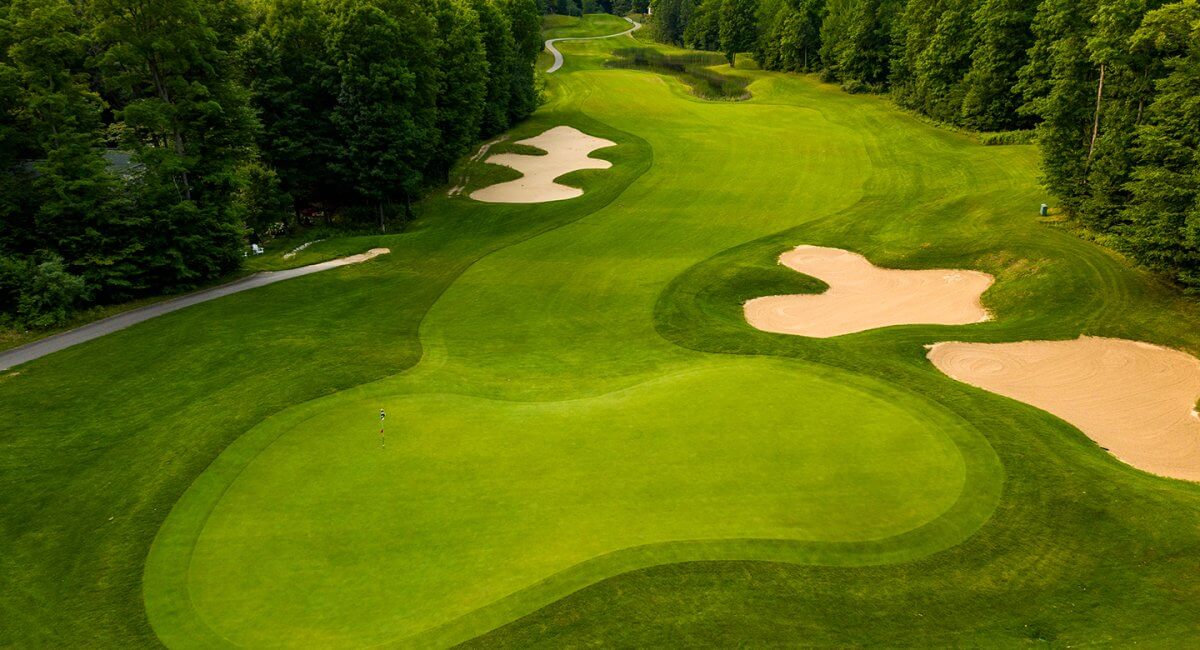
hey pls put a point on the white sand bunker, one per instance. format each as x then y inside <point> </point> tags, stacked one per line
<point>567,150</point>
<point>1135,399</point>
<point>862,296</point>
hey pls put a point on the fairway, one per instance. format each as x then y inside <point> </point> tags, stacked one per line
<point>586,442</point>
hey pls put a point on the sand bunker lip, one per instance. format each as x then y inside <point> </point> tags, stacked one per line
<point>862,296</point>
<point>1135,399</point>
<point>567,150</point>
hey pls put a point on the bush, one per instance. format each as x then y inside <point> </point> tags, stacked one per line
<point>856,87</point>
<point>38,295</point>
<point>12,277</point>
<point>1028,136</point>
<point>265,208</point>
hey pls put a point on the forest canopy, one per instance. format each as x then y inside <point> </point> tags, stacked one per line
<point>143,141</point>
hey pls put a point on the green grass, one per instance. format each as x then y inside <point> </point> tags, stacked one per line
<point>586,443</point>
<point>555,26</point>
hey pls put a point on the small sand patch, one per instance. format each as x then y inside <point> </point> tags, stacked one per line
<point>361,257</point>
<point>1135,399</point>
<point>567,150</point>
<point>862,296</point>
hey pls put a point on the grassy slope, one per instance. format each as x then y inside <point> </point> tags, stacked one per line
<point>590,25</point>
<point>119,427</point>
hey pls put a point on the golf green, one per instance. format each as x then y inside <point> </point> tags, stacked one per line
<point>585,441</point>
<point>471,499</point>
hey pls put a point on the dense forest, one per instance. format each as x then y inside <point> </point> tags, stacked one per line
<point>1109,88</point>
<point>580,7</point>
<point>143,141</point>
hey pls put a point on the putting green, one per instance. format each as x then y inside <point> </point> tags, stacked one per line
<point>322,537</point>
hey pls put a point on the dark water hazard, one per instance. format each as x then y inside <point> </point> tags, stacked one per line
<point>692,69</point>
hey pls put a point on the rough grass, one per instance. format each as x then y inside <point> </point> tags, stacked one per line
<point>484,316</point>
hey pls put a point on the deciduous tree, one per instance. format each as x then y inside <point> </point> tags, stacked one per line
<point>738,28</point>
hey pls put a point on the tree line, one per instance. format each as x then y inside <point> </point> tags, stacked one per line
<point>1109,89</point>
<point>142,141</point>
<point>580,7</point>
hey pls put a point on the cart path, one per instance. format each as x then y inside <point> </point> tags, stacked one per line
<point>558,57</point>
<point>64,340</point>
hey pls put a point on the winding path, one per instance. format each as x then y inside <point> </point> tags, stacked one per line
<point>558,57</point>
<point>52,344</point>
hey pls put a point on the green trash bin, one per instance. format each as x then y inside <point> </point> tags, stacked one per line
<point>1045,211</point>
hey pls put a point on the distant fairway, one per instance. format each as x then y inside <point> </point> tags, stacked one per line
<point>586,442</point>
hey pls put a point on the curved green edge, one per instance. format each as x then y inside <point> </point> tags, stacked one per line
<point>173,620</point>
<point>180,625</point>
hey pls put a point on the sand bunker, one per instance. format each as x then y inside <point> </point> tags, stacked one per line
<point>567,150</point>
<point>862,296</point>
<point>1134,399</point>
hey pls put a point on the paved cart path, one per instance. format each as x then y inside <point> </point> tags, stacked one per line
<point>558,57</point>
<point>52,344</point>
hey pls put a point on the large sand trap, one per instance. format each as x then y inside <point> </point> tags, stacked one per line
<point>1135,399</point>
<point>567,150</point>
<point>862,296</point>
